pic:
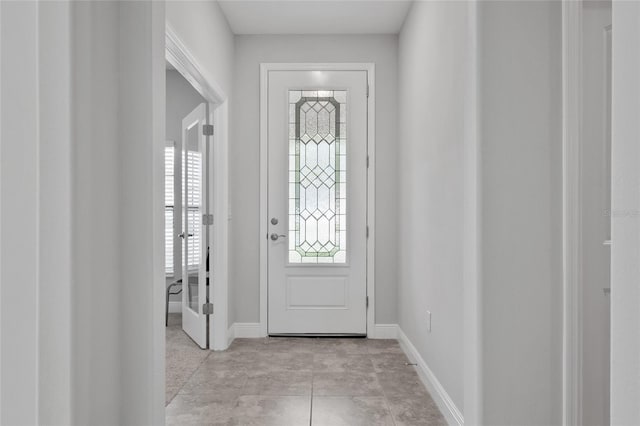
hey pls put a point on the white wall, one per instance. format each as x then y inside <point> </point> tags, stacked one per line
<point>245,155</point>
<point>95,197</point>
<point>432,57</point>
<point>594,220</point>
<point>80,116</point>
<point>203,28</point>
<point>182,98</point>
<point>141,127</point>
<point>19,225</point>
<point>55,289</point>
<point>520,130</point>
<point>625,291</point>
<point>118,108</point>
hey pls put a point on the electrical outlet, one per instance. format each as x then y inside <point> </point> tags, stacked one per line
<point>429,321</point>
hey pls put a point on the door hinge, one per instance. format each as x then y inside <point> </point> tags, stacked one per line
<point>207,129</point>
<point>207,309</point>
<point>367,231</point>
<point>367,90</point>
<point>367,302</point>
<point>367,161</point>
<point>207,219</point>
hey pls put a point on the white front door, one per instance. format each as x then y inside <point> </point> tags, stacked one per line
<point>193,237</point>
<point>317,202</point>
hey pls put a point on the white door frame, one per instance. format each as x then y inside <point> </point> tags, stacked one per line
<point>179,56</point>
<point>571,216</point>
<point>264,74</point>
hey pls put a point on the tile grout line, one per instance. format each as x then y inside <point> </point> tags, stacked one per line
<point>188,378</point>
<point>384,393</point>
<point>313,373</point>
<point>166,404</point>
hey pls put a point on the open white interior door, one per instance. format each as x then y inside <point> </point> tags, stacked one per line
<point>193,235</point>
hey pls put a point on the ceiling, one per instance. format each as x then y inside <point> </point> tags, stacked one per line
<point>315,16</point>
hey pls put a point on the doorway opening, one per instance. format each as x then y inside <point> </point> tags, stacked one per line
<point>317,199</point>
<point>195,196</point>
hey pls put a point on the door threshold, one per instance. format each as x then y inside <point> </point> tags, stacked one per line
<point>315,335</point>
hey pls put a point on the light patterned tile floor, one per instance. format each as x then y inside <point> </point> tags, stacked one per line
<point>294,382</point>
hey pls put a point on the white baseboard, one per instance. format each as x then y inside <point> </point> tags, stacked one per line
<point>449,410</point>
<point>175,306</point>
<point>243,330</point>
<point>249,330</point>
<point>384,331</point>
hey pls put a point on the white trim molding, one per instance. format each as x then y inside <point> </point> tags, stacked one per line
<point>246,330</point>
<point>179,56</point>
<point>371,138</point>
<point>571,216</point>
<point>447,407</point>
<point>240,330</point>
<point>384,331</point>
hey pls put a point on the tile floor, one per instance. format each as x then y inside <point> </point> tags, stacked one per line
<point>295,381</point>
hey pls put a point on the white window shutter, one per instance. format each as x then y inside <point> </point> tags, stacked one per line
<point>194,206</point>
<point>169,197</point>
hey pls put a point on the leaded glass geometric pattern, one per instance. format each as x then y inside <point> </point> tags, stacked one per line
<point>317,176</point>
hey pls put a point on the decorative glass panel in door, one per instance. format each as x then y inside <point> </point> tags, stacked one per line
<point>317,176</point>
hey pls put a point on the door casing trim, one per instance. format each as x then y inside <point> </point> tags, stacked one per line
<point>371,113</point>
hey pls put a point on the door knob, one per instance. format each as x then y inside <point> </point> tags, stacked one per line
<point>181,235</point>
<point>274,237</point>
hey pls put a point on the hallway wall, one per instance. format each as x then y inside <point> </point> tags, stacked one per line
<point>595,222</point>
<point>96,337</point>
<point>21,214</point>
<point>432,57</point>
<point>117,113</point>
<point>520,103</point>
<point>244,159</point>
<point>625,291</point>
<point>519,194</point>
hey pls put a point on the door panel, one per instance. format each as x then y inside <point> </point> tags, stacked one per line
<point>194,279</point>
<point>317,171</point>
